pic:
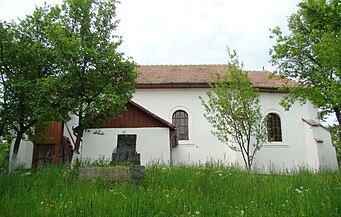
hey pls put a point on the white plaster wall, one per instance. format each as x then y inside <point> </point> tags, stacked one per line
<point>202,146</point>
<point>291,153</point>
<point>312,152</point>
<point>326,153</point>
<point>25,154</point>
<point>152,143</point>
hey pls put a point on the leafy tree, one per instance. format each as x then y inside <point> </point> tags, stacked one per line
<point>233,109</point>
<point>25,64</point>
<point>311,55</point>
<point>97,80</point>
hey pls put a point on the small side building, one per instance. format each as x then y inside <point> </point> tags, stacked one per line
<point>155,137</point>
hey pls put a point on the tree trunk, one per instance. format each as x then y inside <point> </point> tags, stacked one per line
<point>249,162</point>
<point>245,157</point>
<point>13,163</point>
<point>76,154</point>
<point>1,130</point>
<point>338,118</point>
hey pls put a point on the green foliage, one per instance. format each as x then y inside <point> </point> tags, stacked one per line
<point>101,161</point>
<point>233,109</point>
<point>26,62</point>
<point>96,81</point>
<point>4,152</point>
<point>171,191</point>
<point>63,59</point>
<point>311,55</point>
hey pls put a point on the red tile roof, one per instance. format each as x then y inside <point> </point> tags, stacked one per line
<point>200,74</point>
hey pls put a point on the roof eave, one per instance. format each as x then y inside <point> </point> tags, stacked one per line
<point>265,89</point>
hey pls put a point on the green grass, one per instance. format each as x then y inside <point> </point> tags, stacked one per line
<point>176,191</point>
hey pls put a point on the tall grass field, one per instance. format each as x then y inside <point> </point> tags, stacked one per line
<point>171,191</point>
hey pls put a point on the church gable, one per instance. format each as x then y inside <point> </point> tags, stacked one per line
<point>135,116</point>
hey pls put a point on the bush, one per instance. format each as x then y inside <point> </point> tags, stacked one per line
<point>4,154</point>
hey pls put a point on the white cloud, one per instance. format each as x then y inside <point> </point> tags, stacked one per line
<point>189,31</point>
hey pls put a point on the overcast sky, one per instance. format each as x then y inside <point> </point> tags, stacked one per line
<point>189,31</point>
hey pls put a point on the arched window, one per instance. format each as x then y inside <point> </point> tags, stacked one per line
<point>180,120</point>
<point>274,128</point>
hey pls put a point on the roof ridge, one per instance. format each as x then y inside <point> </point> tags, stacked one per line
<point>214,64</point>
<point>267,71</point>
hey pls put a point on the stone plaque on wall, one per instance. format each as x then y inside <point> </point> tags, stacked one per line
<point>126,149</point>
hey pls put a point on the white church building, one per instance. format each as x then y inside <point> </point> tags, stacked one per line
<point>165,117</point>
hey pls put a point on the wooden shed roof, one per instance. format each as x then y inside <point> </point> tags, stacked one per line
<point>136,116</point>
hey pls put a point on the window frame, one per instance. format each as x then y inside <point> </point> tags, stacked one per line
<point>275,129</point>
<point>180,115</point>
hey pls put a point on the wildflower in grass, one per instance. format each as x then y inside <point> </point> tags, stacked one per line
<point>301,190</point>
<point>242,212</point>
<point>298,190</point>
<point>197,212</point>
